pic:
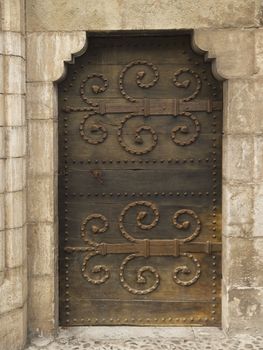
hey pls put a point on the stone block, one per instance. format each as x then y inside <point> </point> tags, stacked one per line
<point>15,141</point>
<point>258,163</point>
<point>13,44</point>
<point>2,175</point>
<point>16,247</point>
<point>238,158</point>
<point>41,100</point>
<point>258,91</point>
<point>2,109</point>
<point>14,70</point>
<point>138,14</point>
<point>259,51</point>
<point>258,211</point>
<point>14,110</point>
<point>41,146</point>
<point>41,304</point>
<point>15,174</point>
<point>41,198</point>
<point>15,205</point>
<point>13,15</point>
<point>47,52</point>
<point>240,106</point>
<point>245,312</point>
<point>1,74</point>
<point>243,230</point>
<point>13,292</point>
<point>2,211</point>
<point>13,330</point>
<point>238,204</point>
<point>240,271</point>
<point>2,142</point>
<point>2,257</point>
<point>41,244</point>
<point>228,47</point>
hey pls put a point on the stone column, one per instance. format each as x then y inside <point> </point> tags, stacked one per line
<point>13,270</point>
<point>239,60</point>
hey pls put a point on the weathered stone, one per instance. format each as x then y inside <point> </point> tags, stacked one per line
<point>2,257</point>
<point>41,245</point>
<point>41,100</point>
<point>2,175</point>
<point>137,14</point>
<point>238,204</point>
<point>258,91</point>
<point>13,44</point>
<point>15,209</point>
<point>41,306</point>
<point>2,211</point>
<point>13,16</point>
<point>228,47</point>
<point>258,210</point>
<point>16,247</point>
<point>15,141</point>
<point>238,230</point>
<point>238,269</point>
<point>258,156</point>
<point>245,312</point>
<point>13,292</point>
<point>15,174</point>
<point>2,109</point>
<point>41,146</point>
<point>2,142</point>
<point>259,51</point>
<point>238,158</point>
<point>47,52</point>
<point>14,71</point>
<point>14,110</point>
<point>240,106</point>
<point>15,321</point>
<point>1,74</point>
<point>41,198</point>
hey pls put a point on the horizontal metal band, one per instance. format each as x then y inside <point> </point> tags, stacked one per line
<point>151,247</point>
<point>147,107</point>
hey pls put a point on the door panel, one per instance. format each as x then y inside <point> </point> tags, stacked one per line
<point>140,125</point>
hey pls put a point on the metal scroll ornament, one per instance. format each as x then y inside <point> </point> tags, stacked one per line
<point>147,217</point>
<point>144,137</point>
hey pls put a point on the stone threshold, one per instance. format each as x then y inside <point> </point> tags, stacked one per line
<point>146,338</point>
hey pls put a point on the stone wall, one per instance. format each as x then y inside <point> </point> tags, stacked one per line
<point>230,33</point>
<point>13,246</point>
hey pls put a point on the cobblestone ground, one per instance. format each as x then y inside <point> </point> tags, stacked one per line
<point>133,338</point>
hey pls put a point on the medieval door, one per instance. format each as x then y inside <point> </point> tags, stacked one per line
<point>140,122</point>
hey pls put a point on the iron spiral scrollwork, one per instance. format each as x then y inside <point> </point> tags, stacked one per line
<point>96,89</point>
<point>147,217</point>
<point>99,270</point>
<point>184,130</point>
<point>138,138</point>
<point>140,77</point>
<point>144,138</point>
<point>186,83</point>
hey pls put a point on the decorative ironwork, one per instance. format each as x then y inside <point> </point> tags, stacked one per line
<point>139,77</point>
<point>141,116</point>
<point>95,133</point>
<point>95,88</point>
<point>186,83</point>
<point>141,247</point>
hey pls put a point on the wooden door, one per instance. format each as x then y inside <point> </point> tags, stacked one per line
<point>140,122</point>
